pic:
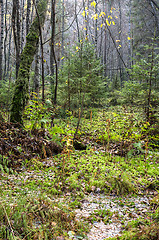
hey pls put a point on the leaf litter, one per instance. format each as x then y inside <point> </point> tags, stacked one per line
<point>122,211</point>
<point>106,215</point>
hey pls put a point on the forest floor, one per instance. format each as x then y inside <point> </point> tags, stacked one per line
<point>108,191</point>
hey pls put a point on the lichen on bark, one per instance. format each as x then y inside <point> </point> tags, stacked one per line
<point>20,96</point>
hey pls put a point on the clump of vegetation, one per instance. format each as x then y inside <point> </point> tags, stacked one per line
<point>143,229</point>
<point>100,215</point>
<point>140,230</point>
<point>34,217</point>
<point>5,164</point>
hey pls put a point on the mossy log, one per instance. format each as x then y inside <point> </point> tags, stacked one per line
<point>22,82</point>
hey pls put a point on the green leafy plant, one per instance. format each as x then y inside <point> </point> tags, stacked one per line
<point>5,164</point>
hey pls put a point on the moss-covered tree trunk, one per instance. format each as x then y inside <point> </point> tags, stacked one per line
<point>22,83</point>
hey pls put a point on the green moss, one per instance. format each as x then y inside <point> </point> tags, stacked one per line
<point>22,83</point>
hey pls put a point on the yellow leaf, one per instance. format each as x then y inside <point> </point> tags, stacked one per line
<point>44,60</point>
<point>86,8</point>
<point>101,25</point>
<point>80,41</point>
<point>107,22</point>
<point>85,28</point>
<point>110,17</point>
<point>119,46</point>
<point>113,22</point>
<point>102,14</point>
<point>62,58</point>
<point>111,11</point>
<point>84,13</point>
<point>93,4</point>
<point>117,40</point>
<point>97,28</point>
<point>129,38</point>
<point>116,16</point>
<point>77,48</point>
<point>95,16</point>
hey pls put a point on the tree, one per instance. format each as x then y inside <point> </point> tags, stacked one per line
<point>145,20</point>
<point>81,77</point>
<point>16,31</point>
<point>22,83</point>
<point>28,16</point>
<point>1,38</point>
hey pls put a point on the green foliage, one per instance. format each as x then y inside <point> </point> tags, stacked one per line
<point>132,93</point>
<point>36,113</point>
<point>6,93</point>
<point>139,229</point>
<point>81,75</point>
<point>37,217</point>
<point>5,165</point>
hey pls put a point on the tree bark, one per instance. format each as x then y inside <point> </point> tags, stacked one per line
<point>23,18</point>
<point>9,51</point>
<point>36,74</point>
<point>28,16</point>
<point>1,38</point>
<point>5,41</point>
<point>42,54</point>
<point>78,31</point>
<point>62,37</point>
<point>96,26</point>
<point>52,40</point>
<point>22,83</point>
<point>16,32</point>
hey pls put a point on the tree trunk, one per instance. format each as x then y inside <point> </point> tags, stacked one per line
<point>52,40</point>
<point>130,35</point>
<point>62,39</point>
<point>42,54</point>
<point>23,18</point>
<point>5,41</point>
<point>1,38</point>
<point>16,32</point>
<point>53,60</point>
<point>78,31</point>
<point>120,49</point>
<point>22,83</point>
<point>36,74</point>
<point>96,26</point>
<point>28,16</point>
<point>9,51</point>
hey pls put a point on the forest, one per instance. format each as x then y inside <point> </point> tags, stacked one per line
<point>79,119</point>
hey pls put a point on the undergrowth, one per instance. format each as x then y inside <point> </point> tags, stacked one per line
<point>37,217</point>
<point>121,159</point>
